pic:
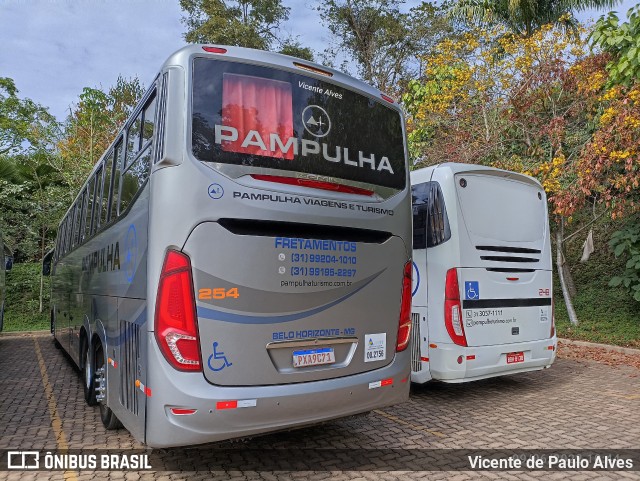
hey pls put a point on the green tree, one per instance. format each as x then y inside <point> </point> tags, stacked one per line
<point>243,23</point>
<point>21,120</point>
<point>384,43</point>
<point>524,17</point>
<point>622,42</point>
<point>92,125</point>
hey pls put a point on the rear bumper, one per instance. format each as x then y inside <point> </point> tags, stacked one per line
<point>488,361</point>
<point>267,408</point>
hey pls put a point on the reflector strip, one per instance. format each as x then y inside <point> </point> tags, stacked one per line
<point>425,359</point>
<point>387,382</point>
<point>112,362</point>
<point>433,346</point>
<point>472,357</point>
<point>513,278</point>
<point>146,390</point>
<point>183,411</point>
<point>551,348</point>
<point>237,404</point>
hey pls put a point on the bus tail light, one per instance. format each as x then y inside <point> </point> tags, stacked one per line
<point>176,328</point>
<point>553,318</point>
<point>453,309</point>
<point>404,323</point>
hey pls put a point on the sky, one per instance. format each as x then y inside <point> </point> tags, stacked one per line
<point>54,48</point>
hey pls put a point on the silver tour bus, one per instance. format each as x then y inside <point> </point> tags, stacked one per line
<point>239,260</point>
<point>482,280</point>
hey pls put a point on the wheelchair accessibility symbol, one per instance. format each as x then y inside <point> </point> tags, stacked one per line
<point>218,356</point>
<point>471,290</point>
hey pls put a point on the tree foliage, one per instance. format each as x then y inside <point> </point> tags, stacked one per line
<point>383,42</point>
<point>244,23</point>
<point>622,41</point>
<point>92,125</point>
<point>524,17</point>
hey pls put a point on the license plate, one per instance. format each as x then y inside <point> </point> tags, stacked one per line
<point>314,357</point>
<point>514,357</point>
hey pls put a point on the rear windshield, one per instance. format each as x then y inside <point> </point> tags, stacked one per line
<point>264,117</point>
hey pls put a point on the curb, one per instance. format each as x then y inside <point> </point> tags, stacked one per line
<point>608,347</point>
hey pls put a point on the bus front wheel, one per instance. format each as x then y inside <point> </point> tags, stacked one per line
<point>108,418</point>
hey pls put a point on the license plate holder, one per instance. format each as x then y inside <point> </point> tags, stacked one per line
<point>313,357</point>
<point>515,357</point>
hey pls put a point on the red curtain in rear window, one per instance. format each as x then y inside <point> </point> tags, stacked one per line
<point>259,104</point>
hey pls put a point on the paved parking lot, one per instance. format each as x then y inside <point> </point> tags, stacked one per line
<point>576,404</point>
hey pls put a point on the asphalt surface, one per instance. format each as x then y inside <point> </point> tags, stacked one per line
<point>577,404</point>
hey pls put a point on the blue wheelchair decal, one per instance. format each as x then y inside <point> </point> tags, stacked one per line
<point>471,290</point>
<point>219,356</point>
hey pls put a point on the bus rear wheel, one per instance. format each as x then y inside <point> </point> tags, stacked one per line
<point>108,418</point>
<point>88,374</point>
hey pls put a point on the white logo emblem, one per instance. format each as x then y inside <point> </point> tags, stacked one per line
<point>316,120</point>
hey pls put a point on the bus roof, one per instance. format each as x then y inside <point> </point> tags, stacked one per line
<point>424,174</point>
<point>181,57</point>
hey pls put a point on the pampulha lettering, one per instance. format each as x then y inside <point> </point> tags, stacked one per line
<point>314,244</point>
<point>305,147</point>
<point>106,259</point>
<point>270,197</point>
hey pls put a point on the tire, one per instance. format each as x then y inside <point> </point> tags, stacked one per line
<point>108,418</point>
<point>88,374</point>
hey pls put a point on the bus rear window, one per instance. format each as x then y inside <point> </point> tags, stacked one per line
<point>263,117</point>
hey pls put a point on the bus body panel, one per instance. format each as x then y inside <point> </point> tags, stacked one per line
<point>227,412</point>
<point>506,304</point>
<point>285,290</point>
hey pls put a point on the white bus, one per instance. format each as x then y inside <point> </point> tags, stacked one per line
<point>239,260</point>
<point>482,283</point>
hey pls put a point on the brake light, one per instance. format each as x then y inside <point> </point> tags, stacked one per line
<point>176,328</point>
<point>313,184</point>
<point>453,309</point>
<point>215,50</point>
<point>404,323</point>
<point>553,318</point>
<point>387,98</point>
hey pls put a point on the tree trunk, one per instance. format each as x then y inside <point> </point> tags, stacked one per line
<point>560,262</point>
<point>41,275</point>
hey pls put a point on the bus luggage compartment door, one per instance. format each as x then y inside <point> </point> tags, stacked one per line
<point>504,308</point>
<point>276,310</point>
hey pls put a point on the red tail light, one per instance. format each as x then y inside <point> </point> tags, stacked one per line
<point>553,317</point>
<point>314,184</point>
<point>453,309</point>
<point>404,324</point>
<point>176,328</point>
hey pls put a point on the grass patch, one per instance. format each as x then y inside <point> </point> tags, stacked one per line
<point>608,315</point>
<point>605,315</point>
<point>21,304</point>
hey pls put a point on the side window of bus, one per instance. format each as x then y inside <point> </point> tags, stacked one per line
<point>97,200</point>
<point>137,169</point>
<point>430,221</point>
<point>117,167</point>
<point>77,232</point>
<point>61,235</point>
<point>69,232</point>
<point>89,208</point>
<point>106,190</point>
<point>77,210</point>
